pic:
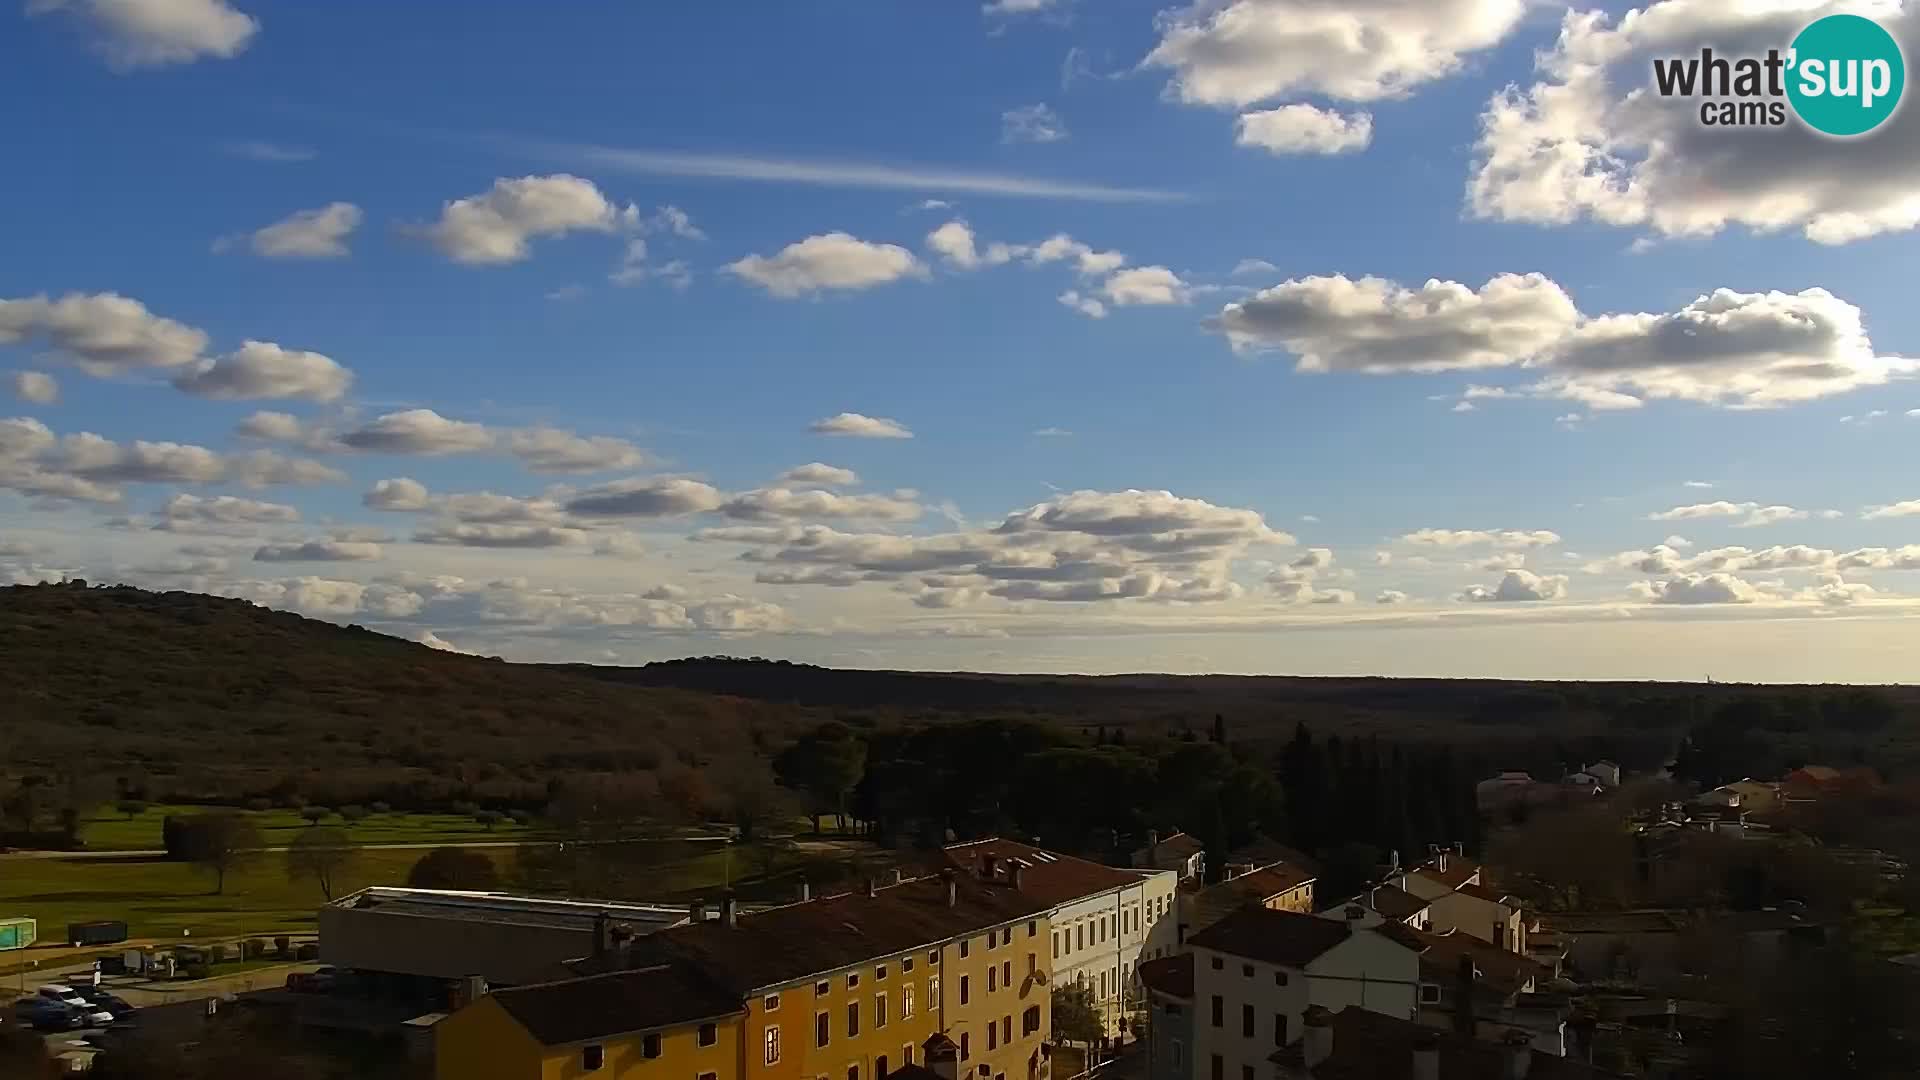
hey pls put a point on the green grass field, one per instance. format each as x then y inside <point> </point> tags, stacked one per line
<point>108,830</point>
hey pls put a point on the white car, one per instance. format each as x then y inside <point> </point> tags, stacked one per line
<point>65,995</point>
<point>96,1017</point>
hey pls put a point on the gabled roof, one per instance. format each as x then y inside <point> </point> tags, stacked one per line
<point>1170,975</point>
<point>1393,902</point>
<point>1287,938</point>
<point>1502,971</point>
<point>1484,893</point>
<point>784,944</point>
<point>1045,876</point>
<point>1216,902</point>
<point>1263,852</point>
<point>1374,1046</point>
<point>1179,846</point>
<point>617,1003</point>
<point>1459,870</point>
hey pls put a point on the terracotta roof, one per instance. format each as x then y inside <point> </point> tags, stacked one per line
<point>1484,893</point>
<point>1262,852</point>
<point>1288,938</point>
<point>1216,902</point>
<point>784,944</point>
<point>1500,970</point>
<point>1457,873</point>
<point>1179,845</point>
<point>1394,902</point>
<point>1374,1046</point>
<point>1170,975</point>
<point>1045,876</point>
<point>601,1006</point>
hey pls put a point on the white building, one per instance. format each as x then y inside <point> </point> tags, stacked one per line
<point>1605,771</point>
<point>1459,898</point>
<point>1105,920</point>
<point>1256,972</point>
<point>1182,853</point>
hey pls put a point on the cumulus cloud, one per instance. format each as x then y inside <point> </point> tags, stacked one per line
<point>320,233</point>
<point>492,535</point>
<point>1085,305</point>
<point>815,472</point>
<point>103,334</point>
<point>399,494</point>
<point>776,504</point>
<point>496,226</point>
<point>1390,596</point>
<point>89,467</point>
<point>858,426</point>
<point>1504,538</point>
<point>959,246</point>
<point>272,426</point>
<point>34,387</point>
<point>1519,586</point>
<point>1304,129</point>
<point>653,496</point>
<point>132,34</point>
<point>1904,508</point>
<point>829,261</point>
<point>434,641</point>
<point>189,513</point>
<point>1036,123</point>
<point>1752,514</point>
<point>261,369</point>
<point>1246,267</point>
<point>318,551</point>
<point>1590,139</point>
<point>1151,285</point>
<point>1697,589</point>
<point>552,450</point>
<point>418,431</point>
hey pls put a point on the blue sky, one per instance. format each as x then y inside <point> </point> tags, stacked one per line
<point>1219,422</point>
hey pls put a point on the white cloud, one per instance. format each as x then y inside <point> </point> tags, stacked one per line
<point>274,426</point>
<point>1833,591</point>
<point>34,387</point>
<point>434,641</point>
<point>1036,123</point>
<point>1246,267</point>
<point>187,513</point>
<point>1304,129</point>
<point>103,334</point>
<point>1592,139</point>
<point>815,472</point>
<point>1906,508</point>
<point>1085,305</point>
<point>776,504</point>
<point>88,467</point>
<point>261,369</point>
<point>860,427</point>
<point>1019,7</point>
<point>318,551</point>
<point>552,450</point>
<point>1390,596</point>
<point>1152,285</point>
<point>495,226</point>
<point>1752,514</point>
<point>262,150</point>
<point>1697,484</point>
<point>1052,433</point>
<point>1240,52</point>
<point>418,431</point>
<point>1503,538</point>
<point>833,260</point>
<point>1879,558</point>
<point>955,242</point>
<point>654,496</point>
<point>1520,586</point>
<point>1697,589</point>
<point>481,535</point>
<point>132,34</point>
<point>307,234</point>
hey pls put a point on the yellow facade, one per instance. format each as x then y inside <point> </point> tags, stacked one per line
<point>887,998</point>
<point>484,1042</point>
<point>1299,898</point>
<point>1005,978</point>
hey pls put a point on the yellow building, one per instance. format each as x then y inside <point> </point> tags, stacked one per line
<point>996,999</point>
<point>639,1024</point>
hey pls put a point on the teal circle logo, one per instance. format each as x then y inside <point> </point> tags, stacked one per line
<point>1845,76</point>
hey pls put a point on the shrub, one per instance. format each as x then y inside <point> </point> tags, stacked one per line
<point>316,814</point>
<point>351,814</point>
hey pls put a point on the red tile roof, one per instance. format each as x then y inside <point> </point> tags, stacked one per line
<point>1374,1046</point>
<point>617,1003</point>
<point>1170,975</point>
<point>1457,873</point>
<point>1179,845</point>
<point>1484,893</point>
<point>1048,877</point>
<point>1394,902</point>
<point>1498,969</point>
<point>1288,938</point>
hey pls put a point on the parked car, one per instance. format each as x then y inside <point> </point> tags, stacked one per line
<point>46,1014</point>
<point>64,994</point>
<point>318,981</point>
<point>112,1004</point>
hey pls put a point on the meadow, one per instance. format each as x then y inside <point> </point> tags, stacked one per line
<point>110,830</point>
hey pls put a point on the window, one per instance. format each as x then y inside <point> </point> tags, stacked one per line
<point>1056,944</point>
<point>963,989</point>
<point>993,978</point>
<point>1246,1072</point>
<point>933,958</point>
<point>880,1067</point>
<point>1080,936</point>
<point>993,1037</point>
<point>1006,973</point>
<point>1219,1071</point>
<point>933,991</point>
<point>709,1034</point>
<point>1218,963</point>
<point>771,1041</point>
<point>1429,994</point>
<point>1103,984</point>
<point>1279,1029</point>
<point>906,1054</point>
<point>708,1076</point>
<point>1246,971</point>
<point>1279,978</point>
<point>822,1029</point>
<point>1033,963</point>
<point>993,939</point>
<point>1006,935</point>
<point>853,979</point>
<point>1179,1054</point>
<point>879,1010</point>
<point>966,1044</point>
<point>650,1046</point>
<point>1006,1028</point>
<point>770,1003</point>
<point>592,1057</point>
<point>1030,1020</point>
<point>1219,1011</point>
<point>963,949</point>
<point>853,1072</point>
<point>906,1004</point>
<point>1033,927</point>
<point>824,986</point>
<point>1246,1021</point>
<point>853,1019</point>
<point>906,965</point>
<point>880,973</point>
<point>1103,929</point>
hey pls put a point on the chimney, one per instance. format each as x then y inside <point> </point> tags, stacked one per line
<point>806,892</point>
<point>1019,872</point>
<point>953,887</point>
<point>1519,1046</point>
<point>602,934</point>
<point>697,912</point>
<point>621,939</point>
<point>1355,913</point>
<point>1318,1039</point>
<point>468,990</point>
<point>1463,1018</point>
<point>1460,848</point>
<point>729,912</point>
<point>1426,1056</point>
<point>941,1056</point>
<point>873,887</point>
<point>1153,841</point>
<point>988,864</point>
<point>898,877</point>
<point>1393,868</point>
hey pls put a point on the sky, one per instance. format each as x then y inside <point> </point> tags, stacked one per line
<point>1405,337</point>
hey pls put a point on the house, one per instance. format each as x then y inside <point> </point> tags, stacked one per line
<point>1607,772</point>
<point>1282,886</point>
<point>1358,1044</point>
<point>1105,921</point>
<point>662,1017</point>
<point>1168,983</point>
<point>1257,971</point>
<point>1460,899</point>
<point>1183,854</point>
<point>1501,989</point>
<point>1755,796</point>
<point>1821,781</point>
<point>1388,903</point>
<point>1511,785</point>
<point>848,986</point>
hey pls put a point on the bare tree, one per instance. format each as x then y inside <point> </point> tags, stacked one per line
<point>324,856</point>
